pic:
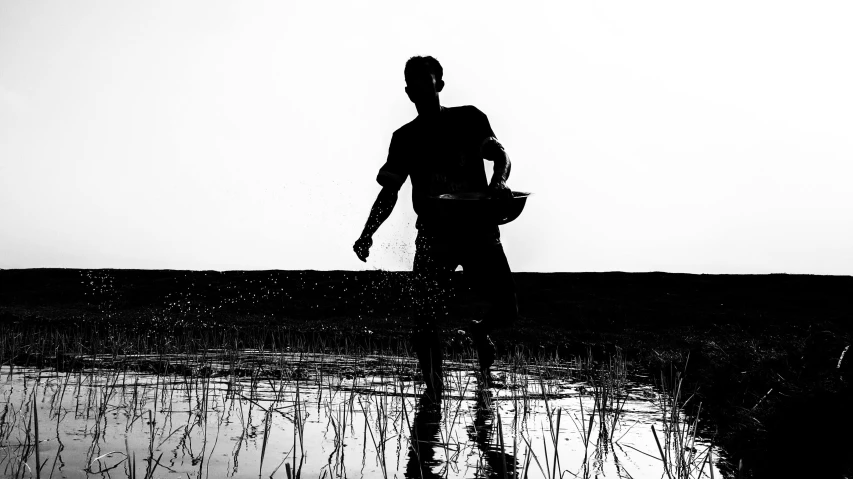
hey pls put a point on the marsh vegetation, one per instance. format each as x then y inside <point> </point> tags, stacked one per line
<point>292,408</point>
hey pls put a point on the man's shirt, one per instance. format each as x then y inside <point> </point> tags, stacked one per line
<point>442,155</point>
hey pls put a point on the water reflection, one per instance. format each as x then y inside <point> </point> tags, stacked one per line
<point>316,415</point>
<point>426,440</point>
<point>482,432</point>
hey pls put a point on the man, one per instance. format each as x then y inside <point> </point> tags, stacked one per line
<point>442,151</point>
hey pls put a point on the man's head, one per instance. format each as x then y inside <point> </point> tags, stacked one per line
<point>423,79</point>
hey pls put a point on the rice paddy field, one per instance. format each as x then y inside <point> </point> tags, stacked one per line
<point>117,373</point>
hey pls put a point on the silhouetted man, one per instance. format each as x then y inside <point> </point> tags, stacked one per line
<point>442,151</point>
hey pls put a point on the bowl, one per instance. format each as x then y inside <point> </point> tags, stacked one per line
<point>478,207</point>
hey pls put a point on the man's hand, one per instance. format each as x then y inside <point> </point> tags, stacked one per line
<point>500,190</point>
<point>362,247</point>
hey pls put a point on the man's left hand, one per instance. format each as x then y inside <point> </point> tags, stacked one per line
<point>499,190</point>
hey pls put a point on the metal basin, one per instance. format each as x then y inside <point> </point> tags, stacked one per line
<point>478,207</point>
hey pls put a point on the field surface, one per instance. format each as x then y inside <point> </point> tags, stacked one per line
<point>762,353</point>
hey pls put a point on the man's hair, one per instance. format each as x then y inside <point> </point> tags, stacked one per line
<point>426,64</point>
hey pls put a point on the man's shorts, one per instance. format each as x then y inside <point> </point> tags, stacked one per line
<point>485,269</point>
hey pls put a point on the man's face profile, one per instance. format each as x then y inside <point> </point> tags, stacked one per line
<point>422,86</point>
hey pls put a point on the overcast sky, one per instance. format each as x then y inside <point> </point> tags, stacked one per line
<point>655,136</point>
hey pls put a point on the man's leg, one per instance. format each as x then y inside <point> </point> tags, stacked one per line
<point>432,268</point>
<point>487,270</point>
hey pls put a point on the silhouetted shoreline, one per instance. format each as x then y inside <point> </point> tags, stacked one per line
<point>580,299</point>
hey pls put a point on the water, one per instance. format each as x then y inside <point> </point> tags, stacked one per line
<point>322,415</point>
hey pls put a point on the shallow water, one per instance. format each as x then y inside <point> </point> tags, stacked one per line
<point>324,415</point>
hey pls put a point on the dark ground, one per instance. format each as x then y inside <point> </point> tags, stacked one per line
<point>763,349</point>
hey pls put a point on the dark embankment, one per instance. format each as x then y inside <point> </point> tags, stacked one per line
<point>763,350</point>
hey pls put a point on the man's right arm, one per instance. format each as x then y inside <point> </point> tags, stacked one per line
<point>381,209</point>
<point>391,176</point>
<point>379,212</point>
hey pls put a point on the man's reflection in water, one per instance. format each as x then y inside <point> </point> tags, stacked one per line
<point>424,438</point>
<point>483,433</point>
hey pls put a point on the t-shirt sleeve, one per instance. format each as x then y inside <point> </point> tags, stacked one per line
<point>482,127</point>
<point>396,168</point>
<point>490,147</point>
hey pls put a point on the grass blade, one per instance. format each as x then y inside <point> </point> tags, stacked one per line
<point>36,431</point>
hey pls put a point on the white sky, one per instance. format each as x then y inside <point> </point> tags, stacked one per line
<point>655,136</point>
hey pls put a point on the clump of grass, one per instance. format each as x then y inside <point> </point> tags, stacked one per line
<point>608,384</point>
<point>676,443</point>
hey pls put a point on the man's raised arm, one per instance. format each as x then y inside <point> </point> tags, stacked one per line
<point>379,212</point>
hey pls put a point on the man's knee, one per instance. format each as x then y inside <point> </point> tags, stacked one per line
<point>503,314</point>
<point>426,342</point>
